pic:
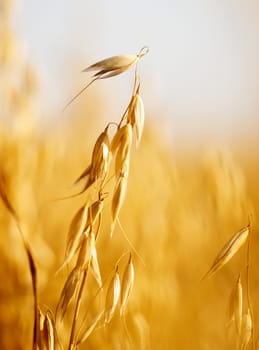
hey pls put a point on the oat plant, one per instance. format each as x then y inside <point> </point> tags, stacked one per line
<point>104,184</point>
<point>240,306</point>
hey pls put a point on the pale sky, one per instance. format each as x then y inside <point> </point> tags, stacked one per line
<point>201,76</point>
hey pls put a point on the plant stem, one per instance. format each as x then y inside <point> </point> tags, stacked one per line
<point>248,285</point>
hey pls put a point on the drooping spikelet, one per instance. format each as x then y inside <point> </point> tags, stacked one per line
<point>112,297</point>
<point>127,284</point>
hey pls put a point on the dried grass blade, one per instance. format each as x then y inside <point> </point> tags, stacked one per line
<point>127,284</point>
<point>32,265</point>
<point>33,272</point>
<point>228,251</point>
<point>90,328</point>
<point>112,297</point>
<point>5,198</point>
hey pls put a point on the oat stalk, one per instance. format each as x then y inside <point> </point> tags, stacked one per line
<point>248,287</point>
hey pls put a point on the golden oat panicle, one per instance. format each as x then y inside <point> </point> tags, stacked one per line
<point>127,284</point>
<point>112,297</point>
<point>229,250</point>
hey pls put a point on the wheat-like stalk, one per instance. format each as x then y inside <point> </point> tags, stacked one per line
<point>85,226</point>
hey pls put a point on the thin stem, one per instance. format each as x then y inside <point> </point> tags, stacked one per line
<point>79,93</point>
<point>248,285</point>
<point>78,300</point>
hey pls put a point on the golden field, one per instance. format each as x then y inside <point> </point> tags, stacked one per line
<point>180,209</point>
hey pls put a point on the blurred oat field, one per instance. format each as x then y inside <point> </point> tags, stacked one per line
<point>180,209</point>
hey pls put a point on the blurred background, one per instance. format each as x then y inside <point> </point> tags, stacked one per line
<point>193,179</point>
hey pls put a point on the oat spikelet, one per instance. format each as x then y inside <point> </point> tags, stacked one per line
<point>86,251</point>
<point>136,114</point>
<point>127,284</point>
<point>123,150</point>
<point>246,330</point>
<point>91,327</point>
<point>75,231</point>
<point>94,213</point>
<point>118,200</point>
<point>48,334</point>
<point>139,117</point>
<point>115,65</point>
<point>228,251</point>
<point>94,266</point>
<point>110,67</point>
<point>40,325</point>
<point>236,305</point>
<point>121,143</point>
<point>99,162</point>
<point>68,292</point>
<point>112,297</point>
